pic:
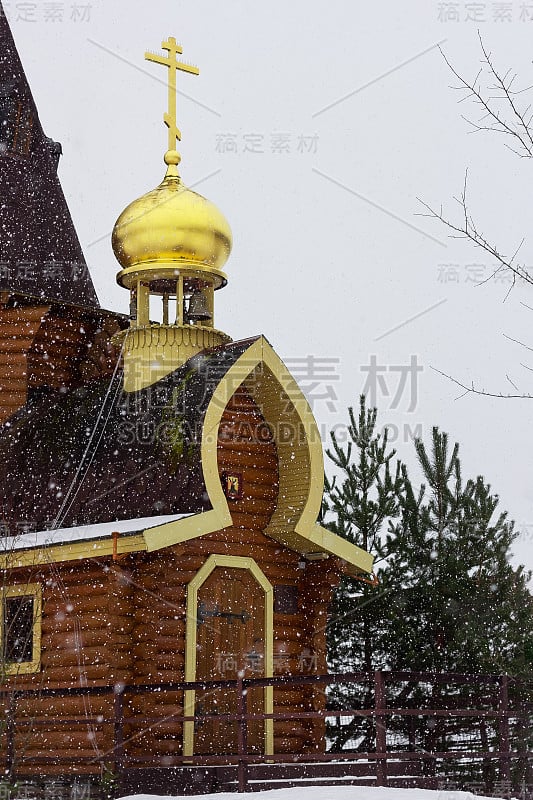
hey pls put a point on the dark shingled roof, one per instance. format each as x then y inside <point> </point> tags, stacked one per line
<point>97,454</point>
<point>40,254</point>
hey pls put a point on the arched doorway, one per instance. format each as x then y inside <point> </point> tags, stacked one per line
<point>229,633</point>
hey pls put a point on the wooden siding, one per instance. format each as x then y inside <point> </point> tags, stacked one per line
<point>106,622</point>
<point>44,346</point>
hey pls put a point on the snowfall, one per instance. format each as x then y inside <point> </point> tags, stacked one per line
<point>331,793</point>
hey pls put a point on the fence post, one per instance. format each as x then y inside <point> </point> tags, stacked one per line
<point>381,730</point>
<point>10,735</point>
<point>242,706</point>
<point>524,771</point>
<point>118,731</point>
<point>505,765</point>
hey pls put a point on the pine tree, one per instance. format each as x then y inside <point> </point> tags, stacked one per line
<point>448,598</point>
<point>457,604</point>
<point>359,503</point>
<point>463,606</point>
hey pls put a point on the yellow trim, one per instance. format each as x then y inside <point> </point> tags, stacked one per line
<point>151,352</point>
<point>194,585</point>
<point>301,472</point>
<point>356,558</point>
<point>190,528</point>
<point>301,463</point>
<point>24,590</point>
<point>74,551</point>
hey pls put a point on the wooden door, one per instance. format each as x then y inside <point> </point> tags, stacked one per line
<point>230,642</point>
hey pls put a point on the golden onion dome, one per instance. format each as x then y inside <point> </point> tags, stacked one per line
<point>170,229</point>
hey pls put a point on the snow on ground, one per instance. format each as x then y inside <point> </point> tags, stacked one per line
<point>332,793</point>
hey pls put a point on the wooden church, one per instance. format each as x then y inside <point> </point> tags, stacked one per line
<point>160,484</point>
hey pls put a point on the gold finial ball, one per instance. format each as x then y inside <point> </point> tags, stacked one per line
<point>172,157</point>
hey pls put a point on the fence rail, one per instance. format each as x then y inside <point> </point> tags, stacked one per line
<point>480,723</point>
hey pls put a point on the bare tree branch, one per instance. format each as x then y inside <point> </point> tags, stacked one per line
<point>469,230</point>
<point>494,93</point>
<point>472,389</point>
<point>497,100</point>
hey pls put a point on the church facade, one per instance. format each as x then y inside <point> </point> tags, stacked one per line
<point>160,484</point>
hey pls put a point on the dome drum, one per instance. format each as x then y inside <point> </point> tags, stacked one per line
<point>183,295</point>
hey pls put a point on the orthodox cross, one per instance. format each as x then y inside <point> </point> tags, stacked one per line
<point>171,61</point>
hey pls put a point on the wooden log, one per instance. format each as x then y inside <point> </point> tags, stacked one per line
<point>265,477</point>
<point>73,639</point>
<point>162,617</point>
<point>70,675</point>
<point>168,629</point>
<point>17,329</point>
<point>241,519</point>
<point>152,583</point>
<point>24,314</point>
<point>289,744</point>
<point>230,460</point>
<point>285,634</point>
<point>260,491</point>
<point>85,578</point>
<point>83,587</point>
<point>245,447</point>
<point>17,386</point>
<point>13,400</point>
<point>254,538</point>
<point>169,661</point>
<point>170,593</point>
<point>84,606</point>
<point>63,622</point>
<point>292,698</point>
<point>87,655</point>
<point>12,345</point>
<point>63,755</point>
<point>145,673</point>
<point>14,364</point>
<point>63,707</point>
<point>263,508</point>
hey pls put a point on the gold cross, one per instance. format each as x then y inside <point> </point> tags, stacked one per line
<point>174,65</point>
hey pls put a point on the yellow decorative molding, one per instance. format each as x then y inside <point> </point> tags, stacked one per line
<point>75,551</point>
<point>152,352</point>
<point>193,587</point>
<point>34,591</point>
<point>301,466</point>
<point>189,528</point>
<point>301,463</point>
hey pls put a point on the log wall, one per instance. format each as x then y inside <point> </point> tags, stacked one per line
<point>108,622</point>
<point>50,346</point>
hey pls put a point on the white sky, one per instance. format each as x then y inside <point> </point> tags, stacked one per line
<point>323,264</point>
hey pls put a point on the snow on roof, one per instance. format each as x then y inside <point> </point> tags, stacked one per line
<point>101,530</point>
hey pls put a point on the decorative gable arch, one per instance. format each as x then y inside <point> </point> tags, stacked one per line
<point>285,409</point>
<point>301,467</point>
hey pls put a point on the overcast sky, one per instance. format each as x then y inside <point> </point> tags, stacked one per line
<point>314,127</point>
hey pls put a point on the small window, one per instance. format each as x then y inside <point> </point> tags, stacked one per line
<point>285,599</point>
<point>21,629</point>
